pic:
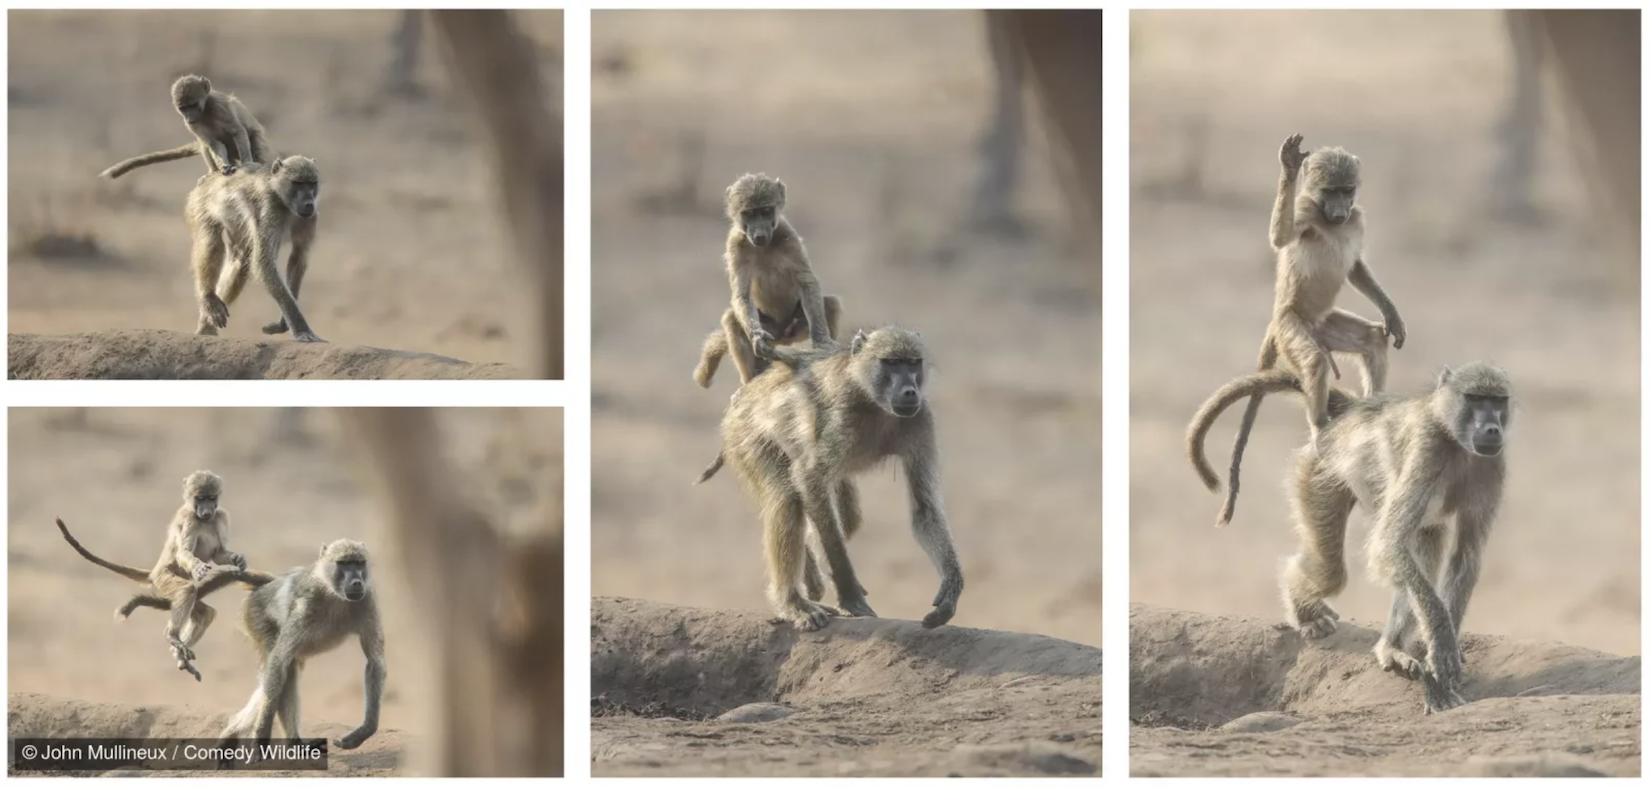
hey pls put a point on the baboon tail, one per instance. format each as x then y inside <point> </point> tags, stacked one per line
<point>180,152</point>
<point>128,572</point>
<point>711,470</point>
<point>221,576</point>
<point>1254,385</point>
<point>716,346</point>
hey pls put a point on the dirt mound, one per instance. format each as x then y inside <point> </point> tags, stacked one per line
<point>151,354</point>
<point>44,716</point>
<point>1241,696</point>
<point>860,697</point>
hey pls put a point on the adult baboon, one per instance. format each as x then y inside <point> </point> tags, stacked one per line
<point>495,630</point>
<point>227,135</point>
<point>798,434</point>
<point>772,287</point>
<point>246,218</point>
<point>1429,470</point>
<point>305,612</point>
<point>197,538</point>
<point>1318,234</point>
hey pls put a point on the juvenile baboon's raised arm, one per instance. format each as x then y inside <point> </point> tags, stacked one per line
<point>492,611</point>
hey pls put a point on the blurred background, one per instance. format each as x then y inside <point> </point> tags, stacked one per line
<point>411,254</point>
<point>1479,228</point>
<point>876,122</point>
<point>115,476</point>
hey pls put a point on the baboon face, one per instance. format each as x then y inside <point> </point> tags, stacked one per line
<point>889,362</point>
<point>200,491</point>
<point>189,96</point>
<point>1476,407</point>
<point>1332,183</point>
<point>346,563</point>
<point>755,203</point>
<point>298,181</point>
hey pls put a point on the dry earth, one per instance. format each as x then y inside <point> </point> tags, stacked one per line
<point>871,119</point>
<point>684,691</point>
<point>1238,696</point>
<point>114,474</point>
<point>1540,297</point>
<point>410,254</point>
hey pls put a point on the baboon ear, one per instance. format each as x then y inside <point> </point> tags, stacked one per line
<point>780,185</point>
<point>858,342</point>
<point>1444,376</point>
<point>323,552</point>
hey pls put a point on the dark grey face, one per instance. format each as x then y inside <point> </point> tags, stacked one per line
<point>206,506</point>
<point>350,578</point>
<point>902,379</point>
<point>1336,202</point>
<point>302,197</point>
<point>1484,423</point>
<point>758,224</point>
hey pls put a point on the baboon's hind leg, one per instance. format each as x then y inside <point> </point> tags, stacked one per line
<point>820,505</point>
<point>183,613</point>
<point>1318,570</point>
<point>739,347</point>
<point>209,255</point>
<point>710,357</point>
<point>1345,332</point>
<point>784,541</point>
<point>833,314</point>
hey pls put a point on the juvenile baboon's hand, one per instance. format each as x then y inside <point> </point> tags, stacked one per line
<point>1394,327</point>
<point>1290,155</point>
<point>760,344</point>
<point>238,561</point>
<point>215,310</point>
<point>200,570</point>
<point>229,169</point>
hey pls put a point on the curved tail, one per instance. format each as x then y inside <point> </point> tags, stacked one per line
<point>711,470</point>
<point>1253,385</point>
<point>180,152</point>
<point>218,578</point>
<point>128,572</point>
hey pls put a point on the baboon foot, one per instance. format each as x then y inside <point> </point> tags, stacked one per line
<point>807,616</point>
<point>214,313</point>
<point>277,327</point>
<point>181,652</point>
<point>1439,696</point>
<point>188,666</point>
<point>1396,660</point>
<point>307,336</point>
<point>857,607</point>
<point>1316,620</point>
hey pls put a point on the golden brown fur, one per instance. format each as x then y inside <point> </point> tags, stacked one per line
<point>1429,471</point>
<point>774,293</point>
<point>797,435</point>
<point>245,217</point>
<point>227,136</point>
<point>1318,233</point>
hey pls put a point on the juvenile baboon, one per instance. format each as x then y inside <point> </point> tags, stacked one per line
<point>1429,470</point>
<point>1318,233</point>
<point>197,538</point>
<point>774,292</point>
<point>227,136</point>
<point>797,434</point>
<point>247,218</point>
<point>305,612</point>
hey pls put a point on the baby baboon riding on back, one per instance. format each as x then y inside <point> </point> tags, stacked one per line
<point>195,560</point>
<point>227,136</point>
<point>798,433</point>
<point>776,299</point>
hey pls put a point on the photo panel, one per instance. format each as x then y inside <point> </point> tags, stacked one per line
<point>1439,349</point>
<point>891,564</point>
<point>377,201</point>
<point>408,560</point>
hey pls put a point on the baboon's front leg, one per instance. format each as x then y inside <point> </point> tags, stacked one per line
<point>928,523</point>
<point>264,263</point>
<point>784,541</point>
<point>298,261</point>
